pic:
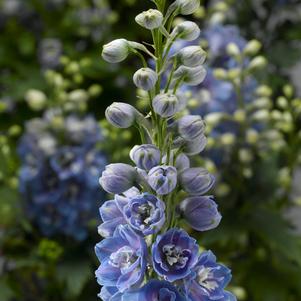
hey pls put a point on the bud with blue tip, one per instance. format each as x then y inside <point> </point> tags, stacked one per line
<point>162,179</point>
<point>196,181</point>
<point>118,177</point>
<point>145,156</point>
<point>191,126</point>
<point>200,212</point>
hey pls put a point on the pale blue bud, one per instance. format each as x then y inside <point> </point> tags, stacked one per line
<point>145,78</point>
<point>121,115</point>
<point>166,105</point>
<point>187,30</point>
<point>194,147</point>
<point>163,179</point>
<point>196,181</point>
<point>191,56</point>
<point>190,76</point>
<point>145,156</point>
<point>150,19</point>
<point>191,126</point>
<point>200,212</point>
<point>188,7</point>
<point>116,51</point>
<point>118,177</point>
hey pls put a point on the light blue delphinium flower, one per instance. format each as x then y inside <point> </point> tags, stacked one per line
<point>145,255</point>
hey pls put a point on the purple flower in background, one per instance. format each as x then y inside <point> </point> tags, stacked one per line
<point>58,175</point>
<point>49,52</point>
<point>200,212</point>
<point>123,259</point>
<point>208,280</point>
<point>174,254</point>
<point>163,179</point>
<point>154,290</point>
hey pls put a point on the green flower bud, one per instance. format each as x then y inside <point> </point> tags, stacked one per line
<point>282,102</point>
<point>232,49</point>
<point>187,30</point>
<point>187,7</point>
<point>150,19</point>
<point>264,90</point>
<point>191,56</point>
<point>36,99</point>
<point>78,96</point>
<point>258,62</point>
<point>116,51</point>
<point>288,91</point>
<point>252,47</point>
<point>220,73</point>
<point>145,78</point>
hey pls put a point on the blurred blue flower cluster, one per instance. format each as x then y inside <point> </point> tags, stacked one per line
<point>58,175</point>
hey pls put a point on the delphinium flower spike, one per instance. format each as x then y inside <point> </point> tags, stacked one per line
<point>145,254</point>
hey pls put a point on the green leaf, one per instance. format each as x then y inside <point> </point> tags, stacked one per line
<point>75,275</point>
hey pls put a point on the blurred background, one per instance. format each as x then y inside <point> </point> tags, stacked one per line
<point>54,141</point>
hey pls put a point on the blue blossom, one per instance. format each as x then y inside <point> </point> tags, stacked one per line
<point>155,290</point>
<point>123,259</point>
<point>208,280</point>
<point>200,212</point>
<point>145,213</point>
<point>58,175</point>
<point>174,254</point>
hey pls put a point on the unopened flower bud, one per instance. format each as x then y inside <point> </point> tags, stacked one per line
<point>194,147</point>
<point>220,73</point>
<point>200,212</point>
<point>227,139</point>
<point>191,126</point>
<point>121,115</point>
<point>196,181</point>
<point>288,91</point>
<point>239,116</point>
<point>187,30</point>
<point>187,7</point>
<point>166,105</point>
<point>163,179</point>
<point>116,51</point>
<point>118,177</point>
<point>232,49</point>
<point>190,76</point>
<point>145,78</point>
<point>145,156</point>
<point>252,136</point>
<point>264,91</point>
<point>36,99</point>
<point>192,56</point>
<point>78,96</point>
<point>150,19</point>
<point>282,102</point>
<point>258,62</point>
<point>252,47</point>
